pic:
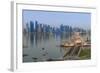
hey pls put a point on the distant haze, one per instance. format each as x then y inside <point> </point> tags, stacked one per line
<point>74,19</point>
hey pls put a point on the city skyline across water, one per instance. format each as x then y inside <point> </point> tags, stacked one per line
<point>46,35</point>
<point>35,26</point>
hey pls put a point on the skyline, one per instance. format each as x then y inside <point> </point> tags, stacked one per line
<point>74,19</point>
<point>34,25</point>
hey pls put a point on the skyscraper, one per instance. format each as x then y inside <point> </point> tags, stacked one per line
<point>31,26</point>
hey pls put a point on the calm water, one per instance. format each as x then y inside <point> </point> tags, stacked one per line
<point>39,48</point>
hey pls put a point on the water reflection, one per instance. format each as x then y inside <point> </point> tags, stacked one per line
<point>41,42</point>
<point>32,38</point>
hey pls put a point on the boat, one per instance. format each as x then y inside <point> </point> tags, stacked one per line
<point>66,45</point>
<point>75,40</point>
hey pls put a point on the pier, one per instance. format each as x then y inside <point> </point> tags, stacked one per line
<point>75,45</point>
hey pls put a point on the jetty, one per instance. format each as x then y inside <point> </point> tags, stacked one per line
<point>76,44</point>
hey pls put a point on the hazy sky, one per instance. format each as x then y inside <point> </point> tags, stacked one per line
<point>74,19</point>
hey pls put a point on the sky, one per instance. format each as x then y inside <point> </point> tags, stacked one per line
<point>74,19</point>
